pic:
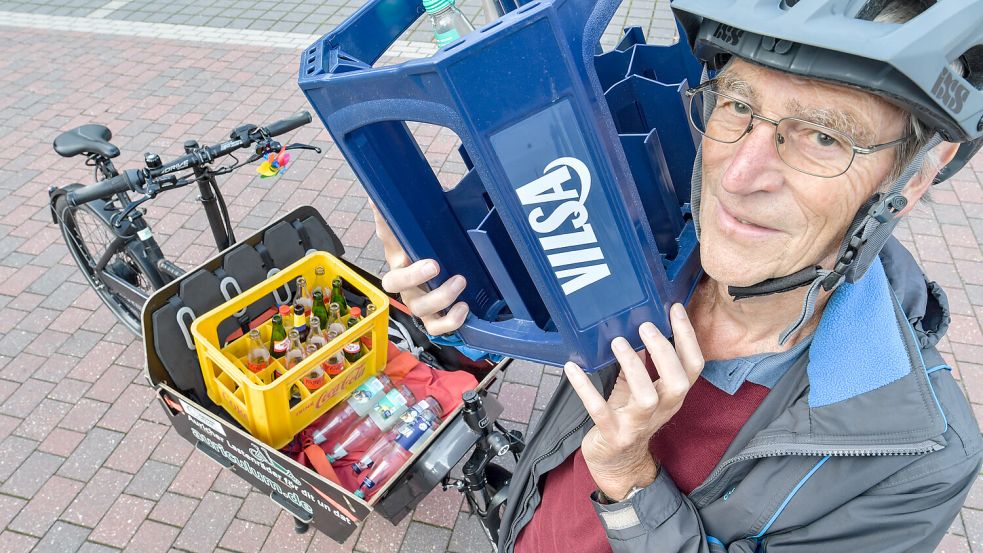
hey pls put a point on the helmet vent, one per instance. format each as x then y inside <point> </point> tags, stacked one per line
<point>972,66</point>
<point>893,11</point>
<point>786,4</point>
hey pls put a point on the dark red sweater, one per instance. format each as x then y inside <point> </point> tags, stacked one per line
<point>687,448</point>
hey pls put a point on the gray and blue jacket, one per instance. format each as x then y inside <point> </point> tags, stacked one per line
<point>866,443</point>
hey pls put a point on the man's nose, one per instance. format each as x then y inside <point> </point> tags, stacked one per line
<point>755,165</point>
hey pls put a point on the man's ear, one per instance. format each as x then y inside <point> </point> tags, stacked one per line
<point>920,183</point>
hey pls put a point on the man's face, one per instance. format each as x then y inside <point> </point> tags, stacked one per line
<point>796,220</point>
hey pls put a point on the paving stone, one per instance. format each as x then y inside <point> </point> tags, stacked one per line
<point>96,498</point>
<point>95,448</point>
<point>152,480</point>
<point>152,537</point>
<point>425,538</point>
<point>137,446</point>
<point>122,521</point>
<point>174,509</point>
<point>259,508</point>
<point>13,451</point>
<point>11,542</point>
<point>62,537</point>
<point>439,508</point>
<point>518,400</point>
<point>9,507</point>
<point>43,419</point>
<point>31,475</point>
<point>209,522</point>
<point>44,508</point>
<point>379,536</point>
<point>245,536</point>
<point>468,536</point>
<point>196,476</point>
<point>283,539</point>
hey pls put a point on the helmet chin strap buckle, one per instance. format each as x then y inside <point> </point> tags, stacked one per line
<point>888,207</point>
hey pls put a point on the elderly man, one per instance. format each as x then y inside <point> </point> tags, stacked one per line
<point>849,433</point>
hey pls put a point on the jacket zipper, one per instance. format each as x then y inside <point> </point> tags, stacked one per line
<point>532,470</point>
<point>748,455</point>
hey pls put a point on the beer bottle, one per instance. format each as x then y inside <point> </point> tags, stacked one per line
<point>287,316</point>
<point>258,357</point>
<point>300,322</point>
<point>335,364</point>
<point>334,319</point>
<point>314,379</point>
<point>338,297</point>
<point>316,336</point>
<point>278,338</point>
<point>320,281</point>
<point>318,310</point>
<point>353,350</point>
<point>304,296</point>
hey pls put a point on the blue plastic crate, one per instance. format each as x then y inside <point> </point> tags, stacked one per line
<point>572,225</point>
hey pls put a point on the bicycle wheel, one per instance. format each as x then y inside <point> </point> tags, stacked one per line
<point>88,236</point>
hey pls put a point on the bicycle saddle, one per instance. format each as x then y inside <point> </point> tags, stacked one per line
<point>87,139</point>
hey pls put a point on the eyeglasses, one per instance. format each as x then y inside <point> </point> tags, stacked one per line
<point>805,146</point>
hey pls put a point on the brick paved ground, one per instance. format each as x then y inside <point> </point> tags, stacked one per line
<point>87,460</point>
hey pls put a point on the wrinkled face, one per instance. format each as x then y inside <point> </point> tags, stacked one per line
<point>759,218</point>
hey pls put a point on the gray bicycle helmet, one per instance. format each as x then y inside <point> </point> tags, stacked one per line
<point>931,66</point>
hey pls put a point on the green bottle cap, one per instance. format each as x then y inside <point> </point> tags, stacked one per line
<point>434,6</point>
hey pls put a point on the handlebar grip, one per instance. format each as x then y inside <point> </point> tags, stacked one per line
<point>103,189</point>
<point>286,125</point>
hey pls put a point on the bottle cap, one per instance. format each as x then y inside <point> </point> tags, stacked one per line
<point>284,310</point>
<point>355,312</point>
<point>434,6</point>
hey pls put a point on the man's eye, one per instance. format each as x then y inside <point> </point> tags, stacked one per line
<point>824,139</point>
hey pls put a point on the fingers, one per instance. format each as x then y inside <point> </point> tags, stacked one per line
<point>395,256</point>
<point>401,279</point>
<point>673,381</point>
<point>687,347</point>
<point>593,401</point>
<point>437,299</point>
<point>437,324</point>
<point>643,393</point>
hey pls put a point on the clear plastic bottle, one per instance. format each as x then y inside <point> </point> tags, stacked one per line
<point>340,418</point>
<point>387,460</point>
<point>449,24</point>
<point>428,408</point>
<point>383,416</point>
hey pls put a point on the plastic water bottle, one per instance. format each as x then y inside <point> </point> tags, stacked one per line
<point>427,408</point>
<point>342,417</point>
<point>389,459</point>
<point>449,24</point>
<point>383,416</point>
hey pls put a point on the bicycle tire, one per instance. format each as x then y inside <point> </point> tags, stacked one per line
<point>122,308</point>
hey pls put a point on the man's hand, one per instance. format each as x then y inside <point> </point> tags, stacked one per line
<point>409,280</point>
<point>617,448</point>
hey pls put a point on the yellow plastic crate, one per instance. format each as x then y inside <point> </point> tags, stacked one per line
<point>263,406</point>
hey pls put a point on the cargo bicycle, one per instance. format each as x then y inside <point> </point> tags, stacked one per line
<point>103,223</point>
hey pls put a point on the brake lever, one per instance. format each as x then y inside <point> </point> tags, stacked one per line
<point>299,146</point>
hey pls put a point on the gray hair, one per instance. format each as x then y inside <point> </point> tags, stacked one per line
<point>901,11</point>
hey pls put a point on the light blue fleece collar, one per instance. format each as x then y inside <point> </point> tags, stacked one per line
<point>858,346</point>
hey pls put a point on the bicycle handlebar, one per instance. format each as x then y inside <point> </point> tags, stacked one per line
<point>131,179</point>
<point>103,189</point>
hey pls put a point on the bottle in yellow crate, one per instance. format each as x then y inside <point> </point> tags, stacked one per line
<point>304,296</point>
<point>316,378</point>
<point>335,364</point>
<point>367,337</point>
<point>320,280</point>
<point>300,322</point>
<point>338,297</point>
<point>353,350</point>
<point>286,316</point>
<point>334,319</point>
<point>295,351</point>
<point>278,338</point>
<point>316,336</point>
<point>319,310</point>
<point>258,357</point>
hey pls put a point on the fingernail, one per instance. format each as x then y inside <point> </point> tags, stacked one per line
<point>430,269</point>
<point>649,330</point>
<point>570,367</point>
<point>679,312</point>
<point>457,282</point>
<point>620,344</point>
